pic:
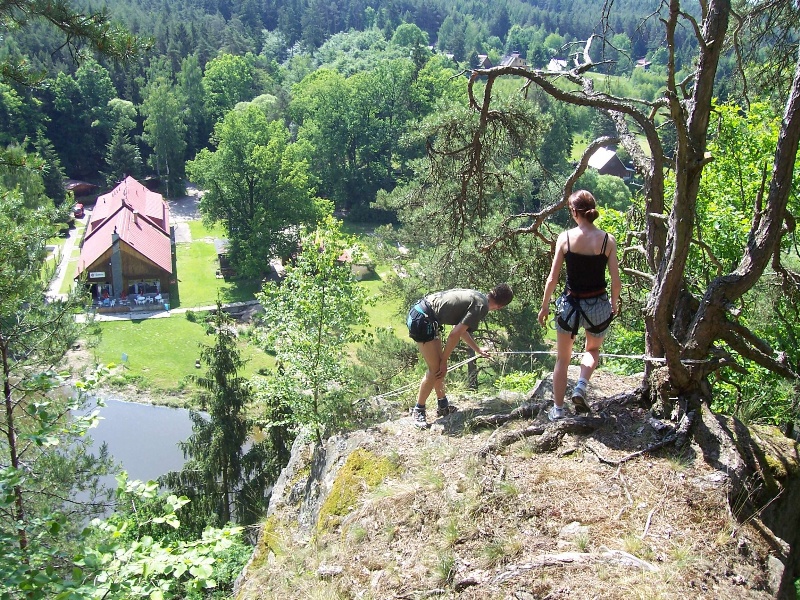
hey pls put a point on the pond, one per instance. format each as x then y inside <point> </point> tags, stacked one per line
<point>142,437</point>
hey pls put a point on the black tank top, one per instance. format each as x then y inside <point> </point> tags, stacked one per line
<point>586,273</point>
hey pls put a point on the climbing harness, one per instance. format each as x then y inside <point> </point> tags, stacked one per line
<point>576,312</point>
<point>422,325</point>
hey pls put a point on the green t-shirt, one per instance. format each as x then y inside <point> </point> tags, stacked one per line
<point>453,307</point>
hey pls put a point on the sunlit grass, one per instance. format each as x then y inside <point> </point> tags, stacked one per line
<point>444,569</point>
<point>162,352</point>
<point>383,312</point>
<point>501,550</point>
<point>197,265</point>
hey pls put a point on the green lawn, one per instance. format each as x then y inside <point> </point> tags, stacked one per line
<point>384,312</point>
<point>162,352</point>
<point>196,272</point>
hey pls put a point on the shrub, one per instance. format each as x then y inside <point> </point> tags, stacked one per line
<point>518,381</point>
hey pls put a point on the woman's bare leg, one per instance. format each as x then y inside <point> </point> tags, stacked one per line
<point>591,356</point>
<point>564,354</point>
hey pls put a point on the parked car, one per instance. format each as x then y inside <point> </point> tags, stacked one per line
<point>77,211</point>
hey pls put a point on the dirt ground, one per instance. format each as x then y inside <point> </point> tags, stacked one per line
<point>469,514</point>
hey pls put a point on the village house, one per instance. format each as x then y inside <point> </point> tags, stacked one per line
<point>127,252</point>
<point>513,60</point>
<point>606,162</point>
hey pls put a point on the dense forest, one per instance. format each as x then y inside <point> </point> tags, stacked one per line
<point>288,112</point>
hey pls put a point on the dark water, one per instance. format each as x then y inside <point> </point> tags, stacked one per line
<point>142,437</point>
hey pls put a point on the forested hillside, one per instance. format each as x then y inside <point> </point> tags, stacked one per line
<point>280,42</point>
<point>449,134</point>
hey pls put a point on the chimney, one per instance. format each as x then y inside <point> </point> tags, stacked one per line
<point>135,216</point>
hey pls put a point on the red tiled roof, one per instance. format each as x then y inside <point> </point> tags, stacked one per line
<point>140,218</point>
<point>136,197</point>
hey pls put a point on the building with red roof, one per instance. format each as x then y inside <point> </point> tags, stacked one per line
<point>128,249</point>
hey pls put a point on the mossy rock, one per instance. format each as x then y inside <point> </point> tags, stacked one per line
<point>361,472</point>
<point>781,454</point>
<point>269,541</point>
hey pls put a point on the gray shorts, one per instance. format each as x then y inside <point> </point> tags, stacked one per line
<point>595,311</point>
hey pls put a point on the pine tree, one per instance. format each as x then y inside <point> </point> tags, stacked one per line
<point>122,156</point>
<point>213,474</point>
<point>52,173</point>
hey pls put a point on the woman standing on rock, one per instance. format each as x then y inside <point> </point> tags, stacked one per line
<point>587,251</point>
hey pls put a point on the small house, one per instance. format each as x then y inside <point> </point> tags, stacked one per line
<point>484,62</point>
<point>79,188</point>
<point>513,60</point>
<point>606,162</point>
<point>127,249</point>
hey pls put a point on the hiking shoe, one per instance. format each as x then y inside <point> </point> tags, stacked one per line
<point>418,417</point>
<point>555,413</point>
<point>447,409</point>
<point>579,400</point>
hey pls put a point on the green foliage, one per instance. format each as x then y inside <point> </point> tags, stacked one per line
<point>355,123</point>
<point>409,35</point>
<point>81,32</point>
<point>309,319</point>
<point>609,191</point>
<point>228,80</point>
<point>53,173</point>
<point>385,361</point>
<point>740,146</point>
<point>190,81</point>
<point>260,217</point>
<point>761,397</point>
<point>42,459</point>
<point>81,105</point>
<point>517,381</point>
<point>213,476</point>
<point>122,157</point>
<point>165,132</point>
<point>121,561</point>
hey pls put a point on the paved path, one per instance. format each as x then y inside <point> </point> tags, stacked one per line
<point>54,291</point>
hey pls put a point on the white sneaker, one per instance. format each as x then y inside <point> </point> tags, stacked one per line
<point>555,413</point>
<point>418,418</point>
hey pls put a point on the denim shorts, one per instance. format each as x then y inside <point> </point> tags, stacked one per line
<point>597,310</point>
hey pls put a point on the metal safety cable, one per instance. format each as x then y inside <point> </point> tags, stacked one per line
<point>642,357</point>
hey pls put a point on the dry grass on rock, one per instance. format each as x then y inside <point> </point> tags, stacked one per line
<point>450,522</point>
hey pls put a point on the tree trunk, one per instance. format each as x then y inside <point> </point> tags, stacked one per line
<point>11,433</point>
<point>472,371</point>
